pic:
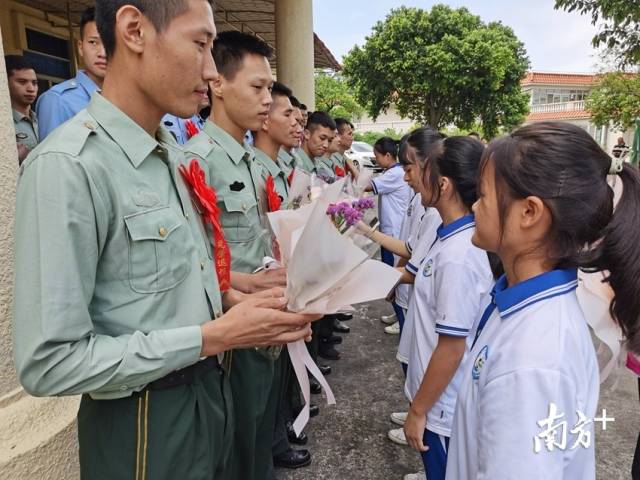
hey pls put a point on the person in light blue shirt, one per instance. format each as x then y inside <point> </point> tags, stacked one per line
<point>63,101</point>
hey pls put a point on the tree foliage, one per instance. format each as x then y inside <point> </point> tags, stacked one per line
<point>620,25</point>
<point>334,96</point>
<point>441,67</point>
<point>616,99</point>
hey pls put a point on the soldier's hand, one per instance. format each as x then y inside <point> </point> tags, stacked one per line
<point>255,322</point>
<point>268,278</point>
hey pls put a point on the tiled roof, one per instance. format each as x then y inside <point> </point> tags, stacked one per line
<point>566,115</point>
<point>533,78</point>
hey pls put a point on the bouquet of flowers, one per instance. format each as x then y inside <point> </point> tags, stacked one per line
<point>346,214</point>
<point>326,272</point>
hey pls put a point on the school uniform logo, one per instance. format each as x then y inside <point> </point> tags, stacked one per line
<point>479,363</point>
<point>427,270</point>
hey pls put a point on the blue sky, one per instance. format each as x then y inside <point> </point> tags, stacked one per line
<point>555,40</point>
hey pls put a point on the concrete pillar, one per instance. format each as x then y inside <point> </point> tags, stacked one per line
<point>37,435</point>
<point>295,50</point>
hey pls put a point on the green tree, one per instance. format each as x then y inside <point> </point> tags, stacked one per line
<point>441,67</point>
<point>615,99</point>
<point>334,96</point>
<point>619,25</point>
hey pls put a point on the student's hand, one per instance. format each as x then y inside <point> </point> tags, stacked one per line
<point>256,322</point>
<point>414,427</point>
<point>364,229</point>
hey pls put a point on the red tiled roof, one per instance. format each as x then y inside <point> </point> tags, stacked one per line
<point>533,78</point>
<point>567,115</point>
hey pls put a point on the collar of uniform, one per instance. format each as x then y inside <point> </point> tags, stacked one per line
<point>395,165</point>
<point>268,163</point>
<point>235,150</point>
<point>304,156</point>
<point>463,223</point>
<point>286,157</point>
<point>326,161</point>
<point>136,143</point>
<point>17,116</point>
<point>510,300</point>
<point>85,82</point>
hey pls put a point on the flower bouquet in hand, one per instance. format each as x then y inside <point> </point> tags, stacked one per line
<point>346,214</point>
<point>326,273</point>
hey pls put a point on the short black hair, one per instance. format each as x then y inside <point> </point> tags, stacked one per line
<point>230,48</point>
<point>320,119</point>
<point>88,16</point>
<point>295,102</point>
<point>341,122</point>
<point>16,62</point>
<point>387,145</point>
<point>303,107</point>
<point>280,90</point>
<point>159,13</point>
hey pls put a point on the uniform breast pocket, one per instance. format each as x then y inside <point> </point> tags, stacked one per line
<point>240,219</point>
<point>158,250</point>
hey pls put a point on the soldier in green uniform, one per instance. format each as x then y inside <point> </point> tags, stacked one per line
<point>345,136</point>
<point>288,158</point>
<point>115,286</point>
<point>241,100</point>
<point>23,90</point>
<point>280,131</point>
<point>318,134</point>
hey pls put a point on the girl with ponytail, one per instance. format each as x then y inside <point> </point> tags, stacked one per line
<point>546,210</point>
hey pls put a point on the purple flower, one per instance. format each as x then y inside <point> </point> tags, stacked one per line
<point>363,204</point>
<point>332,210</point>
<point>352,216</point>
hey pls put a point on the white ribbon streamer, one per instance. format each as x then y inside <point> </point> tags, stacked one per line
<point>302,362</point>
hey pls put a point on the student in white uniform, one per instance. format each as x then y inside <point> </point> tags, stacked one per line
<point>451,282</point>
<point>393,192</point>
<point>546,209</point>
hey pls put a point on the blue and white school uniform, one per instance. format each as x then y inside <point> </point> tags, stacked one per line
<point>450,286</point>
<point>394,196</point>
<point>409,228</point>
<point>418,245</point>
<point>533,349</point>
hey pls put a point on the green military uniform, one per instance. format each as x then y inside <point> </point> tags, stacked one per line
<point>338,160</point>
<point>237,179</point>
<point>113,279</point>
<point>306,163</point>
<point>26,128</point>
<point>271,168</point>
<point>325,169</point>
<point>287,161</point>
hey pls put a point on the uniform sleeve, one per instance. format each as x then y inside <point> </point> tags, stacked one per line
<point>388,182</point>
<point>510,407</point>
<point>61,223</point>
<point>52,112</point>
<point>457,298</point>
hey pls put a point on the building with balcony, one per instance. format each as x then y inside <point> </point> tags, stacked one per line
<point>561,96</point>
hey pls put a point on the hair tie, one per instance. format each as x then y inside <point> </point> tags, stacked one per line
<point>616,165</point>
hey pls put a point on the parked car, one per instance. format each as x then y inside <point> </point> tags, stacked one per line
<point>361,154</point>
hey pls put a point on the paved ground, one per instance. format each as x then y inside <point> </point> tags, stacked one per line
<point>348,441</point>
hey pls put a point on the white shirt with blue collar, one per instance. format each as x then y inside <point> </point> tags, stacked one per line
<point>418,245</point>
<point>409,228</point>
<point>533,348</point>
<point>449,289</point>
<point>394,194</point>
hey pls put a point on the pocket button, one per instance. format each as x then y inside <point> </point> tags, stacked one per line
<point>162,232</point>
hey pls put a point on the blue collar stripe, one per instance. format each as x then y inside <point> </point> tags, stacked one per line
<point>463,223</point>
<point>550,293</point>
<point>411,268</point>
<point>549,284</point>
